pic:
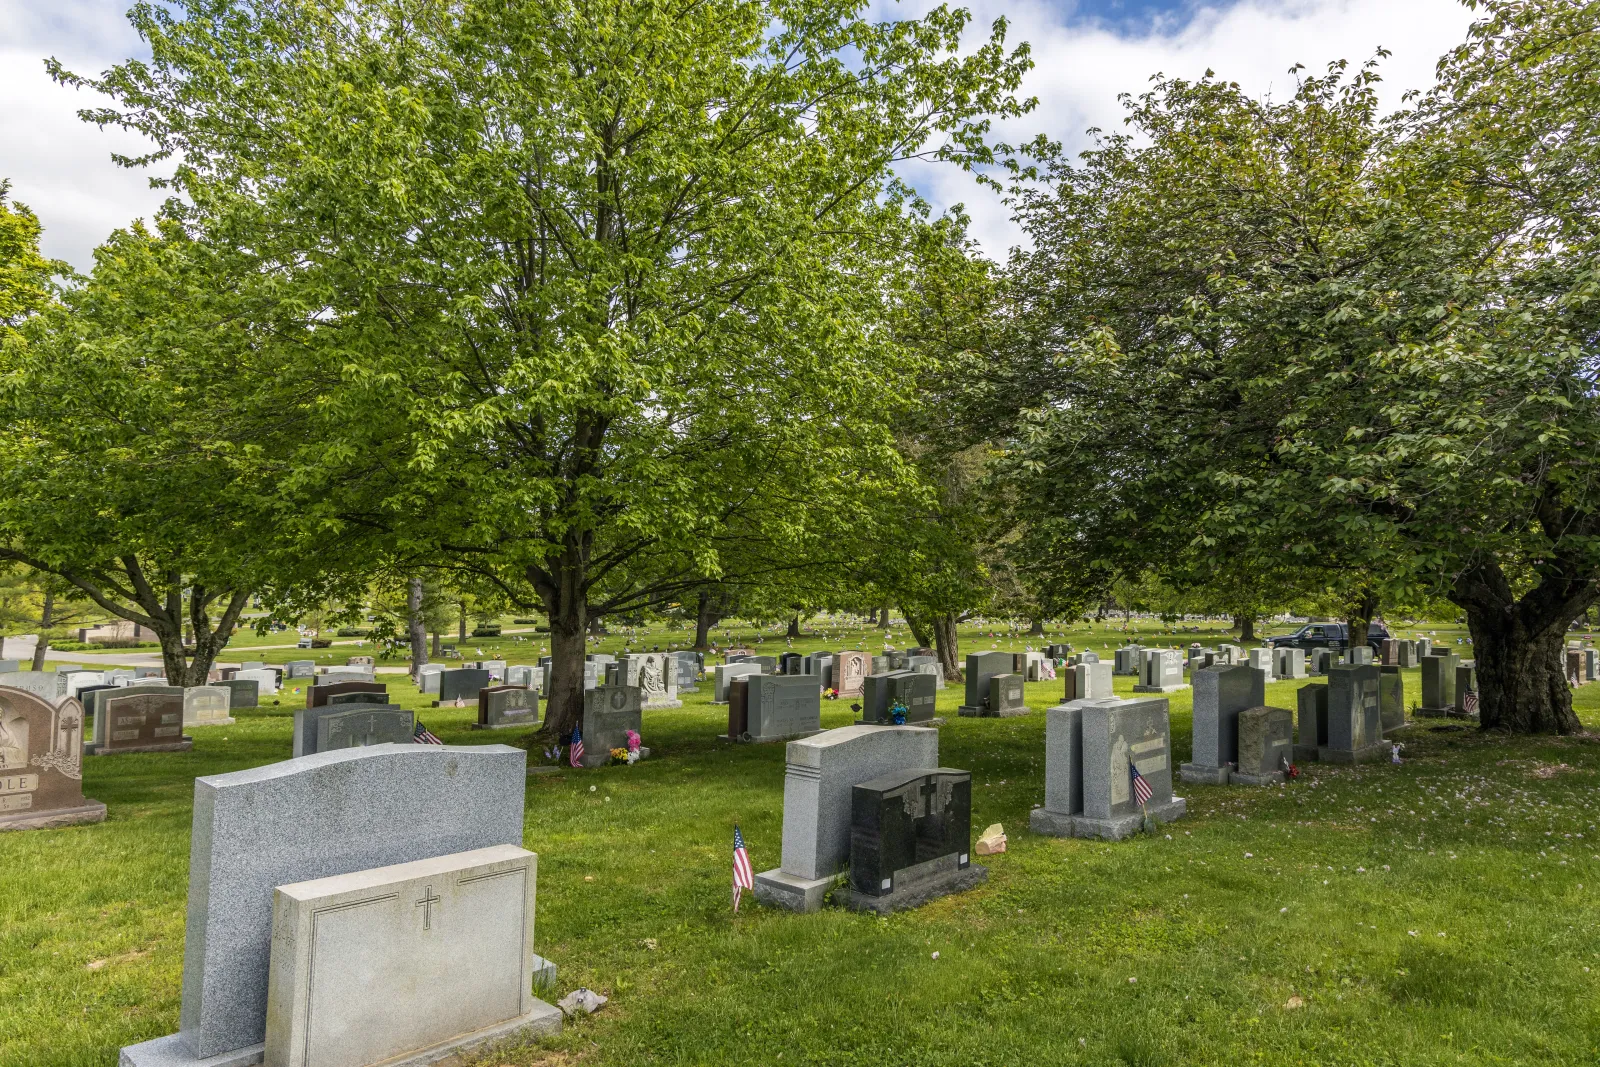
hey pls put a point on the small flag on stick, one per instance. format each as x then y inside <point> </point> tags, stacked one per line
<point>1141,788</point>
<point>576,753</point>
<point>424,736</point>
<point>743,877</point>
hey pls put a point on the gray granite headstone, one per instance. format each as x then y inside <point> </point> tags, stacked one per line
<point>1114,735</point>
<point>47,685</point>
<point>521,676</point>
<point>462,684</point>
<point>820,773</point>
<point>301,668</point>
<point>1439,683</point>
<point>609,712</point>
<point>1312,717</point>
<point>981,666</point>
<point>335,699</point>
<point>1220,694</point>
<point>1160,671</point>
<point>244,693</point>
<point>725,673</point>
<point>308,732</point>
<point>1007,696</point>
<point>850,672</point>
<point>504,706</point>
<point>1266,745</point>
<point>363,727</point>
<point>265,678</point>
<point>1391,697</point>
<point>690,666</point>
<point>1087,681</point>
<point>1355,721</point>
<point>320,815</point>
<point>1289,663</point>
<point>782,706</point>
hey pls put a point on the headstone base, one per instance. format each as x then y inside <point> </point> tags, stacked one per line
<point>1439,713</point>
<point>1200,774</point>
<point>504,725</point>
<point>1054,824</point>
<point>1159,688</point>
<point>229,721</point>
<point>1305,753</point>
<point>746,739</point>
<point>967,711</point>
<point>1370,754</point>
<point>942,878</point>
<point>937,720</point>
<point>660,704</point>
<point>644,753</point>
<point>93,749</point>
<point>173,1051</point>
<point>791,892</point>
<point>90,811</point>
<point>1275,778</point>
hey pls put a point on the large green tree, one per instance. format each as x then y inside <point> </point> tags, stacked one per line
<point>1290,329</point>
<point>595,281</point>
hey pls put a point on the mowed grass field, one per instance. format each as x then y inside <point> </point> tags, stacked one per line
<point>1442,911</point>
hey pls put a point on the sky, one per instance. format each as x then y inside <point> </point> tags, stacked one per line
<point>1085,53</point>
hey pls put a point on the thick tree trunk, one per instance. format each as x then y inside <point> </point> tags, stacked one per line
<point>946,644</point>
<point>1246,625</point>
<point>417,627</point>
<point>883,617</point>
<point>1522,683</point>
<point>437,648</point>
<point>704,619</point>
<point>1359,616</point>
<point>921,628</point>
<point>42,646</point>
<point>794,628</point>
<point>569,627</point>
<point>1036,628</point>
<point>1518,643</point>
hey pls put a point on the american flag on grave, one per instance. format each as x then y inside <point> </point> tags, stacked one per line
<point>1469,703</point>
<point>1141,788</point>
<point>744,876</point>
<point>575,756</point>
<point>424,736</point>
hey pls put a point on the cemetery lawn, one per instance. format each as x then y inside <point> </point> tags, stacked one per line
<point>1438,912</point>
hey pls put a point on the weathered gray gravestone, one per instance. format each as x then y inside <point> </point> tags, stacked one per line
<point>1220,694</point>
<point>690,666</point>
<point>1087,681</point>
<point>308,732</point>
<point>1160,671</point>
<point>1266,743</point>
<point>1439,684</point>
<point>346,699</point>
<point>609,712</point>
<point>910,688</point>
<point>781,706</point>
<point>321,815</point>
<point>462,684</point>
<point>1355,722</point>
<point>146,718</point>
<point>47,685</point>
<point>981,666</point>
<point>1312,716</point>
<point>1114,736</point>
<point>319,695</point>
<point>820,773</point>
<point>1006,696</point>
<point>1289,663</point>
<point>655,675</point>
<point>504,706</point>
<point>1466,683</point>
<point>724,673</point>
<point>301,668</point>
<point>41,763</point>
<point>1391,697</point>
<point>1358,655</point>
<point>241,694</point>
<point>363,727</point>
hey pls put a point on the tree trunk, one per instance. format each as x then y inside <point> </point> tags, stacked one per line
<point>704,619</point>
<point>42,646</point>
<point>569,627</point>
<point>794,628</point>
<point>437,647</point>
<point>921,630</point>
<point>461,626</point>
<point>416,625</point>
<point>1246,625</point>
<point>946,644</point>
<point>1359,616</point>
<point>1037,628</point>
<point>883,618</point>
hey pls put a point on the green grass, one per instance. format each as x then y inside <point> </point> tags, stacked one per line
<point>1335,890</point>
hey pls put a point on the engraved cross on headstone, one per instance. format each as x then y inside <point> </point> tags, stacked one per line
<point>930,789</point>
<point>429,899</point>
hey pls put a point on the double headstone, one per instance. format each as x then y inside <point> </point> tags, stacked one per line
<point>981,666</point>
<point>384,973</point>
<point>911,690</point>
<point>141,718</point>
<point>1125,660</point>
<point>503,706</point>
<point>821,774</point>
<point>1092,748</point>
<point>41,763</point>
<point>774,707</point>
<point>328,727</point>
<point>1161,671</point>
<point>1220,694</point>
<point>1289,663</point>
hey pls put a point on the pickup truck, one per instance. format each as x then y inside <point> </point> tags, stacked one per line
<point>1330,635</point>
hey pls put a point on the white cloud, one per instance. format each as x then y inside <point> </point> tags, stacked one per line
<point>62,168</point>
<point>1081,67</point>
